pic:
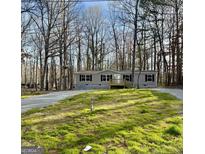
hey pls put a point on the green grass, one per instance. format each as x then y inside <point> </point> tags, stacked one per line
<point>25,96</point>
<point>124,121</point>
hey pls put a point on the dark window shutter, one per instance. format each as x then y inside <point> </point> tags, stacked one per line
<point>90,77</point>
<point>101,77</point>
<point>110,77</point>
<point>153,77</point>
<point>145,77</point>
<point>80,77</point>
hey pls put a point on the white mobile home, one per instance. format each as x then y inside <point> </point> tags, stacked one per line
<point>110,78</point>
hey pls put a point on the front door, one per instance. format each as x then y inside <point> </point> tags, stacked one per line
<point>117,78</point>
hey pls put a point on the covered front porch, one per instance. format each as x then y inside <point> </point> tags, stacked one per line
<point>120,81</point>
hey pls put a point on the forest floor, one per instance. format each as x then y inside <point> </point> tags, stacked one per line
<point>123,121</point>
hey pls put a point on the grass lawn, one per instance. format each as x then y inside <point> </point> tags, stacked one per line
<point>124,121</point>
<point>25,96</point>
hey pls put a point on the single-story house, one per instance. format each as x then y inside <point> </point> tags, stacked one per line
<point>110,78</point>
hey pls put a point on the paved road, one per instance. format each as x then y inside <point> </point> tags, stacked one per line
<point>175,92</point>
<point>47,99</point>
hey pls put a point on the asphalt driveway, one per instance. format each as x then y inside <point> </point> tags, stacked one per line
<point>178,93</point>
<point>47,99</point>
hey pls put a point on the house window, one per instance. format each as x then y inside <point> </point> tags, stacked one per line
<point>109,77</point>
<point>88,77</point>
<point>103,77</point>
<point>85,77</point>
<point>127,77</point>
<point>82,77</point>
<point>149,77</point>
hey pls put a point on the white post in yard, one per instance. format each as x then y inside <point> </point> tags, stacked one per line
<point>91,104</point>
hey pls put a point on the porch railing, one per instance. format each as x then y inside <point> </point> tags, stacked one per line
<point>120,82</point>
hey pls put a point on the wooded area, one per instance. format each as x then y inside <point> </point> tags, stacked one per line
<point>61,37</point>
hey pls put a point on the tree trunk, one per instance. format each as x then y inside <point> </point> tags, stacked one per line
<point>179,64</point>
<point>155,52</point>
<point>93,52</point>
<point>173,48</point>
<point>79,55</point>
<point>123,48</point>
<point>36,85</point>
<point>116,46</point>
<point>135,42</point>
<point>144,48</point>
<point>47,87</point>
<point>87,54</point>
